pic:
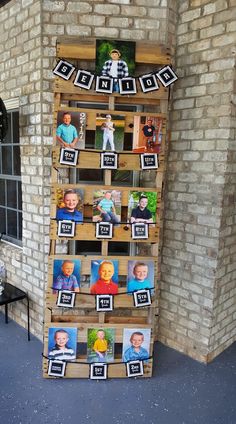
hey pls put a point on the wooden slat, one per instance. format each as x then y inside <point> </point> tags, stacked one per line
<point>85,49</point>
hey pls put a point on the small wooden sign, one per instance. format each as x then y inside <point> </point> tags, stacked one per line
<point>139,230</point>
<point>149,161</point>
<point>66,298</point>
<point>64,69</point>
<point>56,368</point>
<point>66,228</point>
<point>98,371</point>
<point>104,230</point>
<point>109,160</point>
<point>142,298</point>
<point>134,368</point>
<point>68,156</point>
<point>104,302</point>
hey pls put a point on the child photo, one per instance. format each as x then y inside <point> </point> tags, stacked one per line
<point>70,204</point>
<point>71,128</point>
<point>104,276</point>
<point>66,274</point>
<point>100,344</point>
<point>115,59</point>
<point>107,206</point>
<point>136,344</point>
<point>62,343</point>
<point>109,134</point>
<point>142,207</point>
<point>147,134</point>
<point>140,275</point>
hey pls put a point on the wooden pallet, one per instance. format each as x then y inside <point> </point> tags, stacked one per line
<point>124,314</point>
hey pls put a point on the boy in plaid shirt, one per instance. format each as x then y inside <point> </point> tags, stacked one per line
<point>115,68</point>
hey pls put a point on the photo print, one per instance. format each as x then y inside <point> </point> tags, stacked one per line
<point>115,59</point>
<point>71,127</point>
<point>104,276</point>
<point>109,134</point>
<point>100,345</point>
<point>142,207</point>
<point>136,344</point>
<point>66,274</point>
<point>147,134</point>
<point>107,206</point>
<point>140,275</point>
<point>62,343</point>
<point>70,205</point>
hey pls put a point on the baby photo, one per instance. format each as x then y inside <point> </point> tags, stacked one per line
<point>136,344</point>
<point>142,207</point>
<point>147,134</point>
<point>107,206</point>
<point>62,343</point>
<point>109,134</point>
<point>66,274</point>
<point>140,275</point>
<point>71,128</point>
<point>100,344</point>
<point>104,276</point>
<point>70,205</point>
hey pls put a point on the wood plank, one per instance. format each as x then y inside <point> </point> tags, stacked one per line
<point>85,49</point>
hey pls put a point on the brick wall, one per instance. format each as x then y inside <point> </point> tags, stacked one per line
<point>198,279</point>
<point>197,311</point>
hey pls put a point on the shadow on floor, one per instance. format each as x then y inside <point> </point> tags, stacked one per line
<point>181,391</point>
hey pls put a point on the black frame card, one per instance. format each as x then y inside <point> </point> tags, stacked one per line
<point>64,69</point>
<point>104,302</point>
<point>127,86</point>
<point>109,160</point>
<point>104,85</point>
<point>149,161</point>
<point>142,298</point>
<point>68,156</point>
<point>83,79</point>
<point>56,368</point>
<point>104,230</point>
<point>166,75</point>
<point>66,298</point>
<point>134,368</point>
<point>139,231</point>
<point>66,228</point>
<point>148,83</point>
<point>98,371</point>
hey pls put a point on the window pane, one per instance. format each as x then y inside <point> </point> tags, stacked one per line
<point>16,159</point>
<point>12,223</point>
<point>11,194</point>
<point>7,160</point>
<point>2,192</point>
<point>15,122</point>
<point>20,226</point>
<point>2,220</point>
<point>19,196</point>
<point>8,137</point>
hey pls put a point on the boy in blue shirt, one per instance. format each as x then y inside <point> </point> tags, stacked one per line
<point>69,212</point>
<point>140,280</point>
<point>66,133</point>
<point>107,209</point>
<point>136,352</point>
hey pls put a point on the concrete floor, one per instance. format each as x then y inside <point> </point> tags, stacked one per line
<point>181,391</point>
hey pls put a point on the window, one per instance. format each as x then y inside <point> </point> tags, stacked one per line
<point>10,182</point>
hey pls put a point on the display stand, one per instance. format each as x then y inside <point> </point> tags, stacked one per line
<point>83,314</point>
